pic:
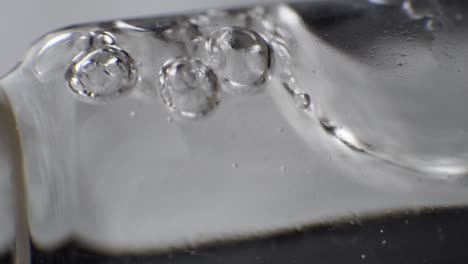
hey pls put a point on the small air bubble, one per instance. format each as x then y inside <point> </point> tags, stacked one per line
<point>189,88</point>
<point>302,100</point>
<point>241,57</point>
<point>169,119</point>
<point>283,168</point>
<point>102,74</point>
<point>417,9</point>
<point>235,165</point>
<point>433,24</point>
<point>363,256</point>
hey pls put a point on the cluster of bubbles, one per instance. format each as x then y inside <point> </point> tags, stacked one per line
<point>234,59</point>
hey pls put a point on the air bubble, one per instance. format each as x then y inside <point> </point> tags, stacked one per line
<point>102,74</point>
<point>384,2</point>
<point>241,57</point>
<point>302,100</point>
<point>417,9</point>
<point>58,53</point>
<point>102,38</point>
<point>189,88</point>
<point>433,25</point>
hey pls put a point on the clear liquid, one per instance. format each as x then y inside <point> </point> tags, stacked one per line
<point>156,133</point>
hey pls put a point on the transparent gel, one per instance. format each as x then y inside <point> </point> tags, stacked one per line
<point>159,133</point>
